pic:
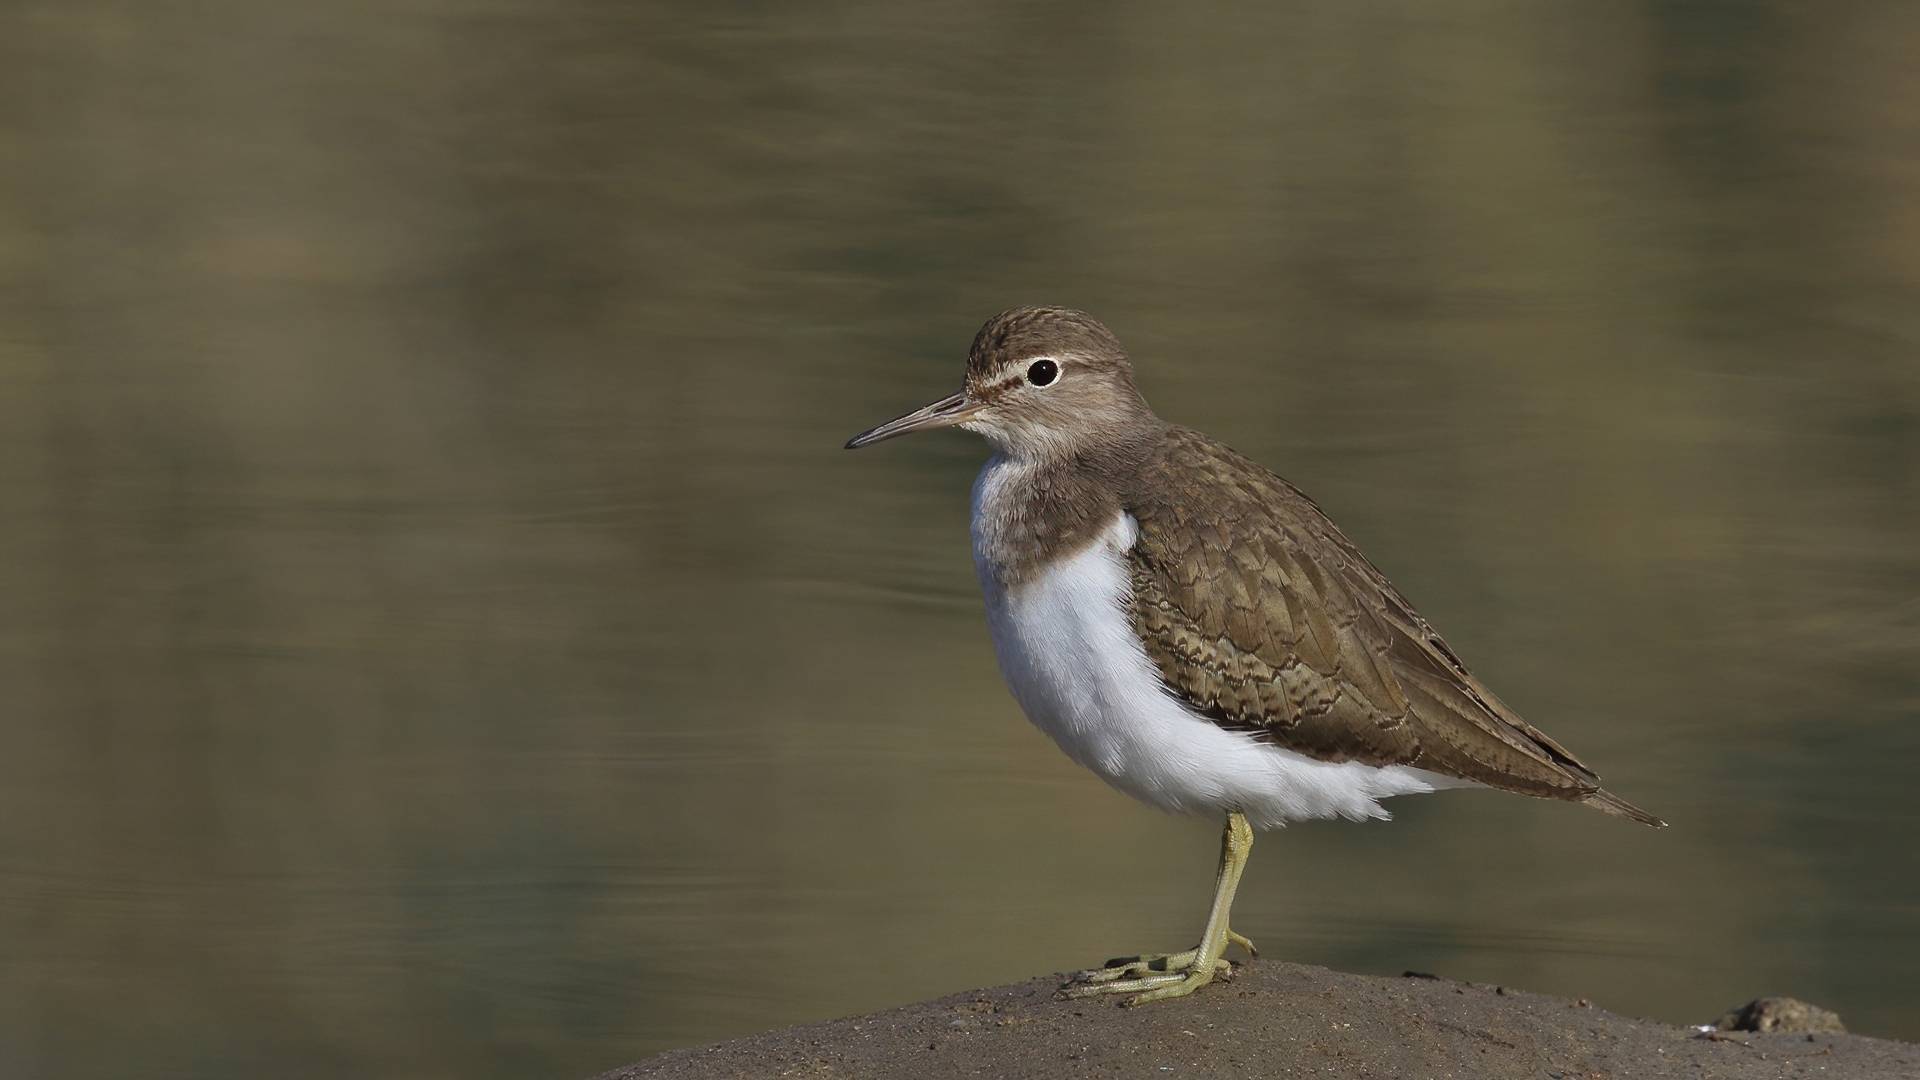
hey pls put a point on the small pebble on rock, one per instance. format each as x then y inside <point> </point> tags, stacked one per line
<point>1781,1014</point>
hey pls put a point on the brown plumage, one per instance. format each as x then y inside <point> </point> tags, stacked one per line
<point>1258,612</point>
<point>1267,619</point>
<point>1096,517</point>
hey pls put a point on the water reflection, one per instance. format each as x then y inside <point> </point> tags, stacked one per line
<point>443,636</point>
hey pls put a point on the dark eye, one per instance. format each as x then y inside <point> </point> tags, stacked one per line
<point>1043,372</point>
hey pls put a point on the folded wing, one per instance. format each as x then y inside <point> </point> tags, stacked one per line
<point>1268,620</point>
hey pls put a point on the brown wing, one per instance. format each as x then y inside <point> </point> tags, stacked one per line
<point>1268,620</point>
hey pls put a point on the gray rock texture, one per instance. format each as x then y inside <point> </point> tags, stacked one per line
<point>1277,1020</point>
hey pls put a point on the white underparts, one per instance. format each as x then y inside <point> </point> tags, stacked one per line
<point>1067,647</point>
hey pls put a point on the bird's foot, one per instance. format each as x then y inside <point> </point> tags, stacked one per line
<point>1156,978</point>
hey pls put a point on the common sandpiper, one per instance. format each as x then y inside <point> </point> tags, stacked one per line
<point>1195,630</point>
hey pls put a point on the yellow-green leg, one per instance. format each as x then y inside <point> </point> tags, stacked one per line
<point>1155,978</point>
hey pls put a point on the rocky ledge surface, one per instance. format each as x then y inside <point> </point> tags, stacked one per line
<point>1278,1020</point>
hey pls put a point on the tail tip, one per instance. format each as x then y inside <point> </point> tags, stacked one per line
<point>1613,804</point>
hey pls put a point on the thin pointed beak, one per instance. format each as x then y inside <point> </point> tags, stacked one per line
<point>946,412</point>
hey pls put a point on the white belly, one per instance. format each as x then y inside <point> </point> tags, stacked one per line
<point>1067,648</point>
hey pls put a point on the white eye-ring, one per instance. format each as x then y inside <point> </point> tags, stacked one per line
<point>1042,372</point>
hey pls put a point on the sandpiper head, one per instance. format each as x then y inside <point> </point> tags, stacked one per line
<point>1041,382</point>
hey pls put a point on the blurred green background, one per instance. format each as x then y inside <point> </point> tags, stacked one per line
<point>441,635</point>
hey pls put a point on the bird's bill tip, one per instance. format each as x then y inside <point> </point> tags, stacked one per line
<point>946,412</point>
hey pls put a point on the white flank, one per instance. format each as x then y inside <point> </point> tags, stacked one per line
<point>1067,648</point>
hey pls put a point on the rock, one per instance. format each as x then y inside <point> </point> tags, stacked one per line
<point>1274,1021</point>
<point>1781,1014</point>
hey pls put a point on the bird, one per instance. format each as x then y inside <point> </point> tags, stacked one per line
<point>1197,632</point>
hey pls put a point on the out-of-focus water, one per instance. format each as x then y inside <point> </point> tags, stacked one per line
<point>441,634</point>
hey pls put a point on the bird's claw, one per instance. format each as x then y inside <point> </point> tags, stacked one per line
<point>1158,976</point>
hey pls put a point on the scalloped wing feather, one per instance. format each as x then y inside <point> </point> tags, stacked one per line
<point>1268,620</point>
